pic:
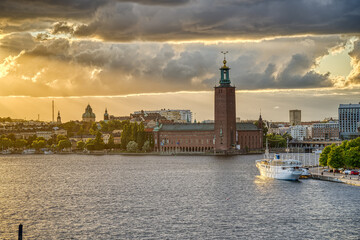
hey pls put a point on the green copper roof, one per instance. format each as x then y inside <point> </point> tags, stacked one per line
<point>88,112</point>
<point>246,126</point>
<point>188,127</point>
<point>204,127</point>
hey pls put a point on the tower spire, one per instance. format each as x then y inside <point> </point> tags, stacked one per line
<point>224,72</point>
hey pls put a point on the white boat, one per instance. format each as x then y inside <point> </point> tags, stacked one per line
<point>48,152</point>
<point>283,169</point>
<point>5,152</point>
<point>29,151</point>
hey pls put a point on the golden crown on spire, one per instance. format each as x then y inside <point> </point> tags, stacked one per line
<point>224,52</point>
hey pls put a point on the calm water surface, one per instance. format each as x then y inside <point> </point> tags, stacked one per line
<point>179,197</point>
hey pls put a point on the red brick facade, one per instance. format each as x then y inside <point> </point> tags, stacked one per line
<point>225,118</point>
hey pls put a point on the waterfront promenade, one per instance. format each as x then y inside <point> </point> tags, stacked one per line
<point>318,173</point>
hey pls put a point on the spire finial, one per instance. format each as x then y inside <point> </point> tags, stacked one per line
<point>224,52</point>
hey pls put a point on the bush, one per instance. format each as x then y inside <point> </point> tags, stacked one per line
<point>132,146</point>
<point>146,147</point>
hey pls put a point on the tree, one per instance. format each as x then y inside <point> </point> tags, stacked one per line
<point>80,145</point>
<point>335,157</point>
<point>146,147</point>
<point>60,137</point>
<point>111,143</point>
<point>134,131</point>
<point>20,143</point>
<point>132,146</point>
<point>37,144</point>
<point>125,136</point>
<point>324,155</point>
<point>5,143</point>
<point>99,142</point>
<point>65,143</point>
<point>140,136</point>
<point>352,157</point>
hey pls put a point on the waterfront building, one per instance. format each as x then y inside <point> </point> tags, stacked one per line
<point>325,131</point>
<point>279,130</point>
<point>45,134</point>
<point>349,121</point>
<point>174,115</point>
<point>58,120</point>
<point>88,116</point>
<point>295,117</point>
<point>300,132</point>
<point>222,136</point>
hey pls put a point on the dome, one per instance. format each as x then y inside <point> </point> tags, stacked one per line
<point>88,112</point>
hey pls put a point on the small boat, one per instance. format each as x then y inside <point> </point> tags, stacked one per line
<point>5,152</point>
<point>29,151</point>
<point>305,173</point>
<point>48,152</point>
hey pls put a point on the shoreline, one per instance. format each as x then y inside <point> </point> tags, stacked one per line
<point>337,178</point>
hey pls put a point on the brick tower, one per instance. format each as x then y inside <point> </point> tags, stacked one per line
<point>225,112</point>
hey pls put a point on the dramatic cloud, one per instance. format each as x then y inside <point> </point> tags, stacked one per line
<point>63,67</point>
<point>169,20</point>
<point>354,76</point>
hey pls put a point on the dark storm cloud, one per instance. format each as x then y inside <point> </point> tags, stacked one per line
<point>162,20</point>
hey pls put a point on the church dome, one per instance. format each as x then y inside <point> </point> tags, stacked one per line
<point>88,112</point>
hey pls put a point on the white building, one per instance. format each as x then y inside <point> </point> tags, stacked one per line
<point>349,120</point>
<point>178,116</point>
<point>300,132</point>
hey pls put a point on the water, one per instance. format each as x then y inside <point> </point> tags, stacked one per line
<point>179,197</point>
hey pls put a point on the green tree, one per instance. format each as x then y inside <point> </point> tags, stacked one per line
<point>125,136</point>
<point>104,126</point>
<point>93,129</point>
<point>30,140</point>
<point>65,143</point>
<point>99,142</point>
<point>132,146</point>
<point>90,145</point>
<point>20,143</point>
<point>60,137</point>
<point>324,155</point>
<point>141,136</point>
<point>335,157</point>
<point>146,147</point>
<point>134,131</point>
<point>5,143</point>
<point>12,137</point>
<point>38,144</point>
<point>352,157</point>
<point>80,145</point>
<point>111,143</point>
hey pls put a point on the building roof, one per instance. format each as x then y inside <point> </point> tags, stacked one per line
<point>88,112</point>
<point>205,127</point>
<point>246,127</point>
<point>188,127</point>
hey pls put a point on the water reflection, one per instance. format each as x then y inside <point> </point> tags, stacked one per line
<point>151,197</point>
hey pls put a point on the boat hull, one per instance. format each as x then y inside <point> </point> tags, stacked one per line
<point>279,173</point>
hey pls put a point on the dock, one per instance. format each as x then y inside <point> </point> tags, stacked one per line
<point>319,174</point>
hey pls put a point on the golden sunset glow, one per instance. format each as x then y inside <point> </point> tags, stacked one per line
<point>137,50</point>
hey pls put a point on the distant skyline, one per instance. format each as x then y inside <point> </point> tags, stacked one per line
<point>152,54</point>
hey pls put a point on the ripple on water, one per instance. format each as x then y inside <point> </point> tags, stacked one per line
<point>180,197</point>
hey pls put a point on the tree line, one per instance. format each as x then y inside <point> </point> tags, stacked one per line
<point>346,155</point>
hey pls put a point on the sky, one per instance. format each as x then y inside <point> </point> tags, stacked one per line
<point>152,54</point>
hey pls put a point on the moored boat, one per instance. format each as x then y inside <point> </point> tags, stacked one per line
<point>283,169</point>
